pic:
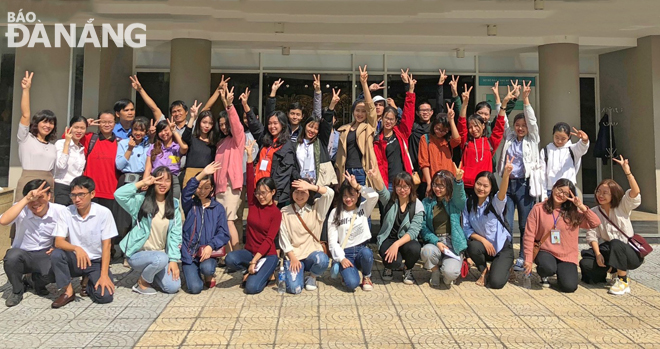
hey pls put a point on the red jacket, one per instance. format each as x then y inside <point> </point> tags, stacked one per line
<point>478,153</point>
<point>402,132</point>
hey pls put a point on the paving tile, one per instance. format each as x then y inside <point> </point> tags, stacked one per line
<point>518,338</point>
<point>642,335</point>
<point>338,337</point>
<point>543,321</point>
<point>386,337</point>
<point>162,338</point>
<point>23,340</point>
<point>555,336</point>
<point>504,322</point>
<point>298,338</point>
<point>42,327</point>
<point>180,312</point>
<point>302,323</point>
<point>471,337</point>
<point>128,325</point>
<point>252,337</point>
<point>70,340</point>
<point>115,339</point>
<point>605,337</point>
<point>207,338</point>
<point>214,324</point>
<point>429,337</point>
<point>171,324</point>
<point>256,323</point>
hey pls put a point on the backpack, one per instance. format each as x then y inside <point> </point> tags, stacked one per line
<point>545,153</point>
<point>92,142</point>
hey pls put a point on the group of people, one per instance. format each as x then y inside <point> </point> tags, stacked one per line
<point>170,192</point>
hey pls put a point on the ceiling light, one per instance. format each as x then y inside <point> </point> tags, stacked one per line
<point>491,30</point>
<point>539,4</point>
<point>460,53</point>
<point>286,51</point>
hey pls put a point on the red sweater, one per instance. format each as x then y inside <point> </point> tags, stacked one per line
<point>402,132</point>
<point>263,222</point>
<point>101,165</point>
<point>540,222</point>
<point>477,154</point>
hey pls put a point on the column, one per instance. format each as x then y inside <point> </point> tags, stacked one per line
<point>190,70</point>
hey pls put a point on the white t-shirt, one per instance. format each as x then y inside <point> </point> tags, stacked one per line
<point>37,233</point>
<point>360,232</point>
<point>89,232</point>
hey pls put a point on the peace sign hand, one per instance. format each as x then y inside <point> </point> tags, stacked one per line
<point>465,96</point>
<point>335,99</point>
<point>37,193</point>
<point>249,147</point>
<point>276,85</point>
<point>527,89</point>
<point>375,87</point>
<point>510,94</point>
<point>516,88</point>
<point>623,162</point>
<point>194,110</point>
<point>229,96</point>
<point>68,134</point>
<point>496,88</point>
<point>443,77</point>
<point>26,82</point>
<point>373,171</point>
<point>411,83</point>
<point>450,112</point>
<point>577,202</point>
<point>223,83</point>
<point>364,76</point>
<point>580,134</point>
<point>351,180</point>
<point>135,83</point>
<point>454,85</point>
<point>459,171</point>
<point>317,83</point>
<point>171,123</point>
<point>405,77</point>
<point>508,167</point>
<point>152,128</point>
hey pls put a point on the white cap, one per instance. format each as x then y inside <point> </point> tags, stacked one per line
<point>379,99</point>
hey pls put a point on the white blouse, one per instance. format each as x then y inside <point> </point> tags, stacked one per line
<point>305,156</point>
<point>620,216</point>
<point>69,166</point>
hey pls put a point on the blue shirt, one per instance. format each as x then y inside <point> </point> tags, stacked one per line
<point>333,144</point>
<point>121,132</point>
<point>487,226</point>
<point>138,159</point>
<point>515,150</point>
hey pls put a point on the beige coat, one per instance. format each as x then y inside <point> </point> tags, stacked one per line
<point>364,135</point>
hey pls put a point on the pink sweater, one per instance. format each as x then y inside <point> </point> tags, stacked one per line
<point>229,153</point>
<point>539,222</point>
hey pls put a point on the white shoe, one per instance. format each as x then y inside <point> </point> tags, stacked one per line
<point>310,283</point>
<point>545,282</point>
<point>620,287</point>
<point>435,278</point>
<point>408,278</point>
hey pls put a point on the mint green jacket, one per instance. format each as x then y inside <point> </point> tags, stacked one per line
<point>130,200</point>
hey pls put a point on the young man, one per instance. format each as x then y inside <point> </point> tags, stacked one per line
<point>36,222</point>
<point>89,228</point>
<point>295,113</point>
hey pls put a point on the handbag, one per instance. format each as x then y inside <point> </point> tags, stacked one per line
<point>324,244</point>
<point>465,268</point>
<point>637,242</point>
<point>327,175</point>
<point>537,245</point>
<point>415,175</point>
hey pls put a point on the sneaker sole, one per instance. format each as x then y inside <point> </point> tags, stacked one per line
<point>619,293</point>
<point>143,293</point>
<point>408,282</point>
<point>388,278</point>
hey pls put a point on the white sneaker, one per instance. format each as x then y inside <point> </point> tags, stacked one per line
<point>435,278</point>
<point>545,282</point>
<point>408,278</point>
<point>310,283</point>
<point>620,287</point>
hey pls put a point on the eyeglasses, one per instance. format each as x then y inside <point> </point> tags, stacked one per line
<point>438,186</point>
<point>604,193</point>
<point>261,193</point>
<point>79,195</point>
<point>403,187</point>
<point>561,193</point>
<point>425,110</point>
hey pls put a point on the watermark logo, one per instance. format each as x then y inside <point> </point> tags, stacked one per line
<point>19,35</point>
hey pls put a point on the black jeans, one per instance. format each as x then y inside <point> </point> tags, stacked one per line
<point>617,254</point>
<point>65,266</point>
<point>19,262</point>
<point>62,192</point>
<point>409,253</point>
<point>567,273</point>
<point>500,265</point>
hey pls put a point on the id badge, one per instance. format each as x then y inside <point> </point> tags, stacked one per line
<point>555,238</point>
<point>263,166</point>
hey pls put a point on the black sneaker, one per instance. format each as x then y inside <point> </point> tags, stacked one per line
<point>408,278</point>
<point>14,299</point>
<point>388,274</point>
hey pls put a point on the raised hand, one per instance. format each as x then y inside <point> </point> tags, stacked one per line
<point>223,83</point>
<point>229,97</point>
<point>26,82</point>
<point>454,85</point>
<point>391,102</point>
<point>443,77</point>
<point>37,193</point>
<point>496,89</point>
<point>276,85</point>
<point>508,167</point>
<point>248,149</point>
<point>335,99</point>
<point>303,185</point>
<point>211,168</point>
<point>510,94</point>
<point>465,96</point>
<point>411,83</point>
<point>244,96</point>
<point>577,202</point>
<point>373,171</point>
<point>171,123</point>
<point>580,134</point>
<point>516,88</point>
<point>451,114</point>
<point>364,76</point>
<point>375,87</point>
<point>527,89</point>
<point>317,83</point>
<point>68,134</point>
<point>459,171</point>
<point>148,181</point>
<point>194,110</point>
<point>135,83</point>
<point>623,162</point>
<point>152,128</point>
<point>405,77</point>
<point>351,180</point>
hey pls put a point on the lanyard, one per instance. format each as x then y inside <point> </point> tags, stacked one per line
<point>555,219</point>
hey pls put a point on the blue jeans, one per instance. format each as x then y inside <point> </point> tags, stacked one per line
<point>194,282</point>
<point>359,173</point>
<point>518,197</point>
<point>153,268</point>
<point>316,263</point>
<point>362,258</point>
<point>255,283</point>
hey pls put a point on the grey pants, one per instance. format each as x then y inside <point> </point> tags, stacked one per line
<point>431,256</point>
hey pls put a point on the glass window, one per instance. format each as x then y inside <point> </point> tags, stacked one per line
<point>426,88</point>
<point>239,82</point>
<point>77,83</point>
<point>157,85</point>
<point>7,60</point>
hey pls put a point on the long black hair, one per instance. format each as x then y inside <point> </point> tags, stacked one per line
<point>478,119</point>
<point>213,134</point>
<point>343,189</point>
<point>569,211</point>
<point>473,200</point>
<point>78,118</point>
<point>441,119</point>
<point>149,207</point>
<point>158,143</point>
<point>303,128</point>
<point>47,116</point>
<point>284,135</point>
<point>223,115</point>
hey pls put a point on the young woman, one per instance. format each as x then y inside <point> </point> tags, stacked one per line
<point>349,233</point>
<point>153,245</point>
<point>562,158</point>
<point>442,233</point>
<point>403,218</point>
<point>70,159</point>
<point>484,108</point>
<point>263,222</point>
<point>355,152</point>
<point>229,156</point>
<point>521,143</point>
<point>201,140</point>
<point>391,145</point>
<point>204,231</point>
<point>300,233</point>
<point>35,151</point>
<point>614,253</point>
<point>166,151</point>
<point>131,161</point>
<point>489,239</point>
<point>555,224</point>
<point>436,148</point>
<point>479,150</point>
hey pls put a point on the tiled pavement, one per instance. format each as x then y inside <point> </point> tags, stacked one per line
<point>392,315</point>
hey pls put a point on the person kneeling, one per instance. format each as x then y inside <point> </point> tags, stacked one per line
<point>89,229</point>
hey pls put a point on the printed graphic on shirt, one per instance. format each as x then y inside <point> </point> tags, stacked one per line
<point>175,159</point>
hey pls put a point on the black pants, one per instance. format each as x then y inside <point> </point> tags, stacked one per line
<point>65,266</point>
<point>500,264</point>
<point>421,188</point>
<point>617,254</point>
<point>567,273</point>
<point>19,262</point>
<point>62,192</point>
<point>408,252</point>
